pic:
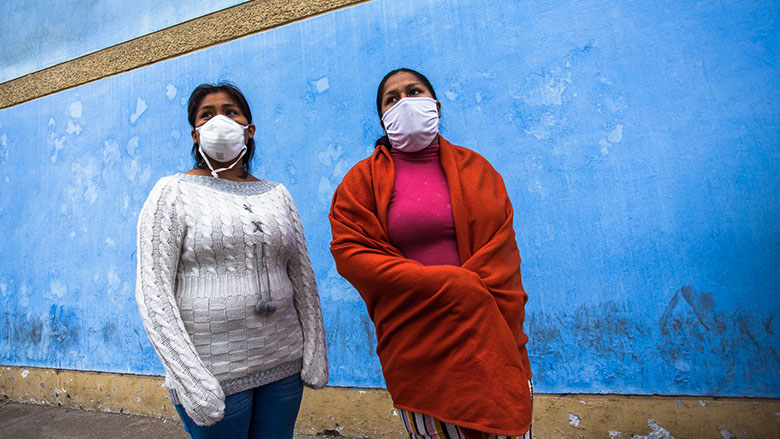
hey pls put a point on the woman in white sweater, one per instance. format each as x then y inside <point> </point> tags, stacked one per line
<point>224,285</point>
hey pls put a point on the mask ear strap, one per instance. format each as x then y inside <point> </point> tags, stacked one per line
<point>215,171</point>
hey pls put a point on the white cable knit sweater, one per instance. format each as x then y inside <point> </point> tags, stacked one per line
<point>209,250</point>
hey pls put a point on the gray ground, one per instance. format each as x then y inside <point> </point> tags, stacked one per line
<point>27,421</point>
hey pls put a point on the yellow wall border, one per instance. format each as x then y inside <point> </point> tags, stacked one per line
<point>219,27</point>
<point>354,412</point>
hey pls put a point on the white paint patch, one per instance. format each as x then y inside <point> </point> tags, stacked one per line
<point>58,144</point>
<point>616,105</point>
<point>535,186</point>
<point>183,102</point>
<point>541,129</point>
<point>682,366</point>
<point>574,420</point>
<point>111,154</point>
<point>25,372</point>
<point>321,85</point>
<point>615,434</point>
<point>75,110</point>
<point>548,89</point>
<point>113,280</point>
<point>617,134</point>
<point>340,169</point>
<point>703,403</point>
<point>84,186</point>
<point>656,432</point>
<point>170,91</point>
<point>57,288</point>
<point>604,151</point>
<point>132,146</point>
<point>451,95</point>
<point>73,128</point>
<point>52,122</point>
<point>330,154</point>
<point>725,434</point>
<point>131,170</point>
<point>140,107</point>
<point>110,242</point>
<point>72,234</point>
<point>23,302</point>
<point>325,190</point>
<point>146,174</point>
<point>4,146</point>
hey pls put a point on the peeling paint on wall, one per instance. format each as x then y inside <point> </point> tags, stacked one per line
<point>656,432</point>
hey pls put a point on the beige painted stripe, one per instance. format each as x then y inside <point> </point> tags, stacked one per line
<point>369,412</point>
<point>216,28</point>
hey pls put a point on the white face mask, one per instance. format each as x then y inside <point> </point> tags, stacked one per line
<point>412,123</point>
<point>221,138</point>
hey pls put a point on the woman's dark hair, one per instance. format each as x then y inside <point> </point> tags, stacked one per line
<point>235,94</point>
<point>381,90</point>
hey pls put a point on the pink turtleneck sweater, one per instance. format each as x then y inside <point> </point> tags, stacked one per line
<point>419,217</point>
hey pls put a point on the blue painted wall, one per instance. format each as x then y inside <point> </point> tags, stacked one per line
<point>638,140</point>
<point>40,34</point>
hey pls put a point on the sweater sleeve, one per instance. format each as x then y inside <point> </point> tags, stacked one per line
<point>160,237</point>
<point>307,303</point>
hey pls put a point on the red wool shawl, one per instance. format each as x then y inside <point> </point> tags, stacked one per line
<point>450,339</point>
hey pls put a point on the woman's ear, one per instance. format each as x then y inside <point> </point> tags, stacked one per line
<point>194,136</point>
<point>250,132</point>
<point>438,108</point>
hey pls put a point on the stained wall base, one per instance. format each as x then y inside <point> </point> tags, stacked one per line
<point>368,413</point>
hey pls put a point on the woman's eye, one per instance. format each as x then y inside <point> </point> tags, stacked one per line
<point>391,100</point>
<point>414,92</point>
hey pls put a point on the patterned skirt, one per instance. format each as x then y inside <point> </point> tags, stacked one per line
<point>422,426</point>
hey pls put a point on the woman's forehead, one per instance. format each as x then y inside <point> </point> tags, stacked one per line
<point>401,80</point>
<point>219,98</point>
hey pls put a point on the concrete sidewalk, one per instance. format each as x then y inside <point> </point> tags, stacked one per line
<point>28,421</point>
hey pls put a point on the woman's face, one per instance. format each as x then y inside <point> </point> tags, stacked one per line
<point>403,85</point>
<point>220,103</point>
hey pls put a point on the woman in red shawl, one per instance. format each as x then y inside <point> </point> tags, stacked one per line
<point>423,230</point>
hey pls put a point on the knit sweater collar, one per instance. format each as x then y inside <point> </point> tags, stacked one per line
<point>229,186</point>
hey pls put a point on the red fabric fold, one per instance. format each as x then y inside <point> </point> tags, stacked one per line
<point>450,339</point>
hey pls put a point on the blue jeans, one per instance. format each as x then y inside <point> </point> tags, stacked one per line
<point>265,412</point>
